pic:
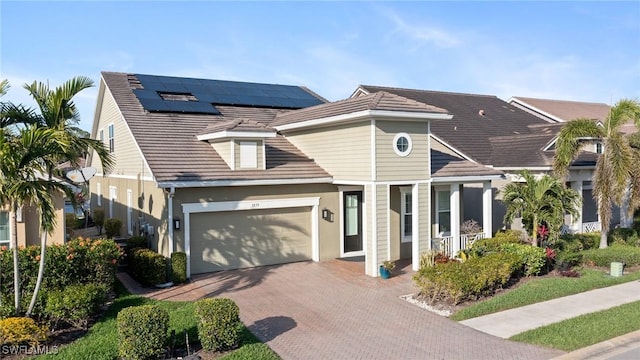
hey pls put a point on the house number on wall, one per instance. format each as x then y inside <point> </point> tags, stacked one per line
<point>255,205</point>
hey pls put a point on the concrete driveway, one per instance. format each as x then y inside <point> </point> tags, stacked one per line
<point>331,310</point>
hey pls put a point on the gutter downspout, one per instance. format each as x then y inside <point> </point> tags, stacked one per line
<point>172,192</point>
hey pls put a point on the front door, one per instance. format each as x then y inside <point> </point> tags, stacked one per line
<point>352,221</point>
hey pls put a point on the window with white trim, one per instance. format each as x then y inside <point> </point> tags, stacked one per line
<point>5,234</point>
<point>406,215</point>
<point>443,212</point>
<point>101,136</point>
<point>248,154</point>
<point>402,144</point>
<point>113,194</point>
<point>599,147</point>
<point>111,138</point>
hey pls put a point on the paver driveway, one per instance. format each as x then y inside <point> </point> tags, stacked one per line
<point>328,310</point>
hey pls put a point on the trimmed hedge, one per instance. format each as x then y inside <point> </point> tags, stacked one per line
<point>142,332</point>
<point>578,242</point>
<point>629,255</point>
<point>178,267</point>
<point>455,282</point>
<point>148,267</point>
<point>219,325</point>
<point>624,236</point>
<point>75,304</point>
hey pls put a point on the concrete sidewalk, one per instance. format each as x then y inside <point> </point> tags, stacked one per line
<point>507,323</point>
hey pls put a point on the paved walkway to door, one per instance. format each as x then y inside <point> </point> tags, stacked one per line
<point>331,310</point>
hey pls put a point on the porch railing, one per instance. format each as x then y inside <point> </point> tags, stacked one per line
<point>447,244</point>
<point>587,227</point>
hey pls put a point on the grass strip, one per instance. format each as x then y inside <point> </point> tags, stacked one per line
<point>542,289</point>
<point>585,330</point>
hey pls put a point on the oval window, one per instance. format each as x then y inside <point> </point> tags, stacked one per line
<point>402,144</point>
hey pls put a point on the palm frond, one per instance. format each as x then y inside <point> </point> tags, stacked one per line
<point>568,143</point>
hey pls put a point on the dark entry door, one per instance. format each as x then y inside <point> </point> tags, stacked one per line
<point>352,221</point>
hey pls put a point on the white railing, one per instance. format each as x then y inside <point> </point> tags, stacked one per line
<point>588,227</point>
<point>446,243</point>
<point>593,226</point>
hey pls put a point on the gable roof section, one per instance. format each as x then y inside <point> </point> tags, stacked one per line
<point>446,166</point>
<point>241,127</point>
<point>476,118</point>
<point>381,103</point>
<point>561,110</point>
<point>175,156</point>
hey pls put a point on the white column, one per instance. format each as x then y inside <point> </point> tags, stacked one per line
<point>487,215</point>
<point>454,208</point>
<point>415,227</point>
<point>576,225</point>
<point>625,219</point>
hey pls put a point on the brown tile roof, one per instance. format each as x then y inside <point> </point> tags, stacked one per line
<point>379,101</point>
<point>168,142</point>
<point>476,118</point>
<point>446,165</point>
<point>565,110</point>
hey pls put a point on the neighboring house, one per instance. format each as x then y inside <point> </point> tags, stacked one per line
<point>242,174</point>
<point>29,225</point>
<point>561,111</point>
<point>488,131</point>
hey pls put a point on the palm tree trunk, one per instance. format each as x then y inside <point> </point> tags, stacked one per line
<point>535,231</point>
<point>43,250</point>
<point>16,260</point>
<point>603,238</point>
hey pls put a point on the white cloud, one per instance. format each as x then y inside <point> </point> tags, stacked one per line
<point>420,34</point>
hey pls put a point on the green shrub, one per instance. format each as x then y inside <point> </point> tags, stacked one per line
<point>578,242</point>
<point>98,219</point>
<point>112,227</point>
<point>134,243</point>
<point>142,332</point>
<point>75,304</point>
<point>428,258</point>
<point>178,267</point>
<point>490,245</point>
<point>71,221</point>
<point>629,255</point>
<point>219,324</point>
<point>565,260</point>
<point>148,267</point>
<point>454,282</point>
<point>533,258</point>
<point>624,236</point>
<point>20,331</point>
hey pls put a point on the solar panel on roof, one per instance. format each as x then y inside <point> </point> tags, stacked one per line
<point>223,92</point>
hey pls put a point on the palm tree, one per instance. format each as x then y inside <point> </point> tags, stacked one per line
<point>616,175</point>
<point>59,113</point>
<point>22,183</point>
<point>539,201</point>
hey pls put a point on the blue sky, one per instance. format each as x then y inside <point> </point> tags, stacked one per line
<point>584,51</point>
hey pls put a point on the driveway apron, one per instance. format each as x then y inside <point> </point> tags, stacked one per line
<point>331,310</point>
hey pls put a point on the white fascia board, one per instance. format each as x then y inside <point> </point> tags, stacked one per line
<point>550,143</point>
<point>126,177</point>
<point>460,153</point>
<point>535,109</point>
<point>237,134</point>
<point>466,179</point>
<point>365,114</point>
<point>258,204</point>
<point>221,183</point>
<point>519,168</point>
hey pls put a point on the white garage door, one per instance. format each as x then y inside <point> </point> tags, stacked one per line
<point>247,238</point>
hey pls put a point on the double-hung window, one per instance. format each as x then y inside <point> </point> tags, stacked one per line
<point>5,235</point>
<point>111,139</point>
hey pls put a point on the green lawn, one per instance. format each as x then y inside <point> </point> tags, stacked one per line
<point>585,330</point>
<point>542,289</point>
<point>101,341</point>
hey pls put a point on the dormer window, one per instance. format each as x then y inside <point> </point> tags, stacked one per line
<point>177,96</point>
<point>248,155</point>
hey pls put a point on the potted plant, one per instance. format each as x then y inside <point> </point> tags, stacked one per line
<point>386,268</point>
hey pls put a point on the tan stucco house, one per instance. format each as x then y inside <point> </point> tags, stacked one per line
<point>241,174</point>
<point>28,225</point>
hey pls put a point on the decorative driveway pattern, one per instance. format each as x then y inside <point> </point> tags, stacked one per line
<point>331,310</point>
